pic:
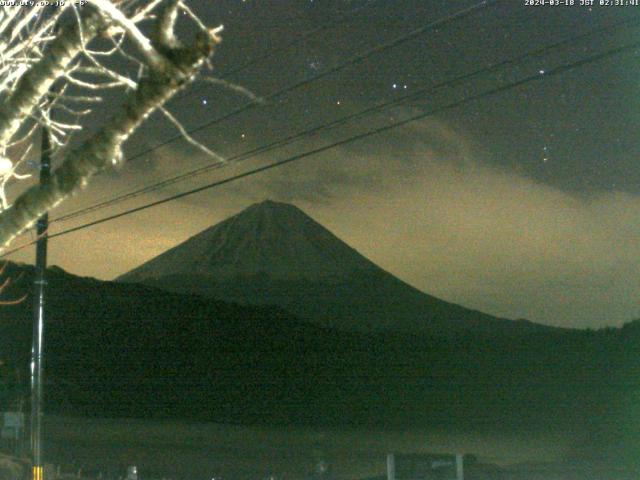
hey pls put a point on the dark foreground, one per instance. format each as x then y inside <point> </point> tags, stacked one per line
<point>191,450</point>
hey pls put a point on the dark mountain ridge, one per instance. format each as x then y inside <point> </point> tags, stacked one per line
<point>400,357</point>
<point>116,349</point>
<point>274,254</point>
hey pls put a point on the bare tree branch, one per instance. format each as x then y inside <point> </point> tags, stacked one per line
<point>177,66</point>
<point>4,284</point>
<point>36,82</point>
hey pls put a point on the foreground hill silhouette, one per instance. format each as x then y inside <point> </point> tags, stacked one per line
<point>115,349</point>
<point>274,254</point>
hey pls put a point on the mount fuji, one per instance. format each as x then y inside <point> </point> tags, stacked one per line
<point>273,253</point>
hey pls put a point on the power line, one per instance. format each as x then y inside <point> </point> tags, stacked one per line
<point>282,48</point>
<point>357,115</point>
<point>460,14</point>
<point>531,78</point>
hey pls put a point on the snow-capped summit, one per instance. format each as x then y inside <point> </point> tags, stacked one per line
<point>272,238</point>
<point>274,253</point>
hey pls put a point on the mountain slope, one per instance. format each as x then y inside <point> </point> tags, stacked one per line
<point>114,349</point>
<point>269,237</point>
<point>273,253</point>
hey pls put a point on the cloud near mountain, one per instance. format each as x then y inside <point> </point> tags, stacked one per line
<point>450,224</point>
<point>424,204</point>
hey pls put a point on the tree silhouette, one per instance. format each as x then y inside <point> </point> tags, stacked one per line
<point>62,60</point>
<point>5,283</point>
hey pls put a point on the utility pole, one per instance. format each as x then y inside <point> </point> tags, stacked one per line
<point>40,282</point>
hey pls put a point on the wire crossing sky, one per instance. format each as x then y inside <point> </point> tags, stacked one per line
<point>497,163</point>
<point>301,156</point>
<point>358,115</point>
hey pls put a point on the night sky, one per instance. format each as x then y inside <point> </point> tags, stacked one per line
<point>524,204</point>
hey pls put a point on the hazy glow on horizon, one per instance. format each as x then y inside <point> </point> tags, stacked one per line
<point>442,220</point>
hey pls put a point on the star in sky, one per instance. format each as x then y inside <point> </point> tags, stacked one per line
<point>545,154</point>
